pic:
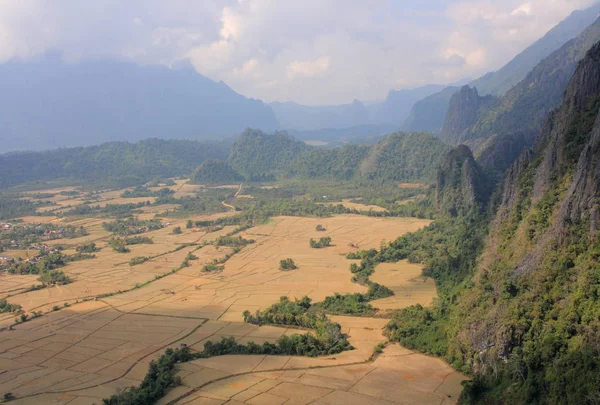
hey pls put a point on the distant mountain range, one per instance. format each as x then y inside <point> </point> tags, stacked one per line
<point>392,111</point>
<point>429,114</point>
<point>49,104</point>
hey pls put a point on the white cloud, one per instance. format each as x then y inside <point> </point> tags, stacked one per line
<point>313,51</point>
<point>308,68</point>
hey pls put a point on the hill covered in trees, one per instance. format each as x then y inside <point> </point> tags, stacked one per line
<point>397,157</point>
<point>115,163</point>
<point>518,273</point>
<point>214,171</point>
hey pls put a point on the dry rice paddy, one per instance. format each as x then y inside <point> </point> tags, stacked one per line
<point>91,349</point>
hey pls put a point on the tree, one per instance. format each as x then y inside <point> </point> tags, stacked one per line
<point>322,242</point>
<point>287,264</point>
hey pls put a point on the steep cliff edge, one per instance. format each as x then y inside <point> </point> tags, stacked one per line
<point>530,322</point>
<point>463,112</point>
<point>498,130</point>
<point>461,183</point>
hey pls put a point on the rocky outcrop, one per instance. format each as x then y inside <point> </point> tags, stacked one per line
<point>461,184</point>
<point>523,111</point>
<point>497,153</point>
<point>462,113</point>
<point>429,113</point>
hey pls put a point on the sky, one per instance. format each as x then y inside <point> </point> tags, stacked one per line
<point>312,52</point>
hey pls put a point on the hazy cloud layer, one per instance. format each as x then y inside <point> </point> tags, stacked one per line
<point>310,51</point>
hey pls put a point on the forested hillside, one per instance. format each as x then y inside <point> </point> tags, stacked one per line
<point>213,171</point>
<point>520,308</point>
<point>115,163</point>
<point>398,157</point>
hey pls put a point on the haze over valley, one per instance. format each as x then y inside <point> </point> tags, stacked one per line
<point>248,202</point>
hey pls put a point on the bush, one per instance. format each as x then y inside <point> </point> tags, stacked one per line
<point>6,307</point>
<point>138,260</point>
<point>211,267</point>
<point>320,228</point>
<point>354,304</point>
<point>233,241</point>
<point>87,248</point>
<point>138,240</point>
<point>323,242</point>
<point>287,264</point>
<point>177,230</point>
<point>54,277</point>
<point>118,245</point>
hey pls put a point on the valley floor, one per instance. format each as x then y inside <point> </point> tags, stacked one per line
<point>93,346</point>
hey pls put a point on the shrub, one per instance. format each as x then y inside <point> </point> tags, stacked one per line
<point>323,242</point>
<point>118,245</point>
<point>87,248</point>
<point>233,241</point>
<point>54,277</point>
<point>287,264</point>
<point>138,240</point>
<point>138,260</point>
<point>211,267</point>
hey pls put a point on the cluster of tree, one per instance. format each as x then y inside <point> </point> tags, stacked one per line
<point>320,228</point>
<point>132,226</point>
<point>321,243</point>
<point>115,164</point>
<point>79,256</point>
<point>287,264</point>
<point>113,210</point>
<point>188,258</point>
<point>206,201</point>
<point>232,241</point>
<point>5,306</point>
<point>212,267</point>
<point>138,240</point>
<point>327,341</point>
<point>45,262</point>
<point>13,207</point>
<point>285,312</point>
<point>87,248</point>
<point>138,260</point>
<point>54,277</point>
<point>160,377</point>
<point>143,191</point>
<point>157,182</point>
<point>348,304</point>
<point>302,313</point>
<point>118,245</point>
<point>23,235</point>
